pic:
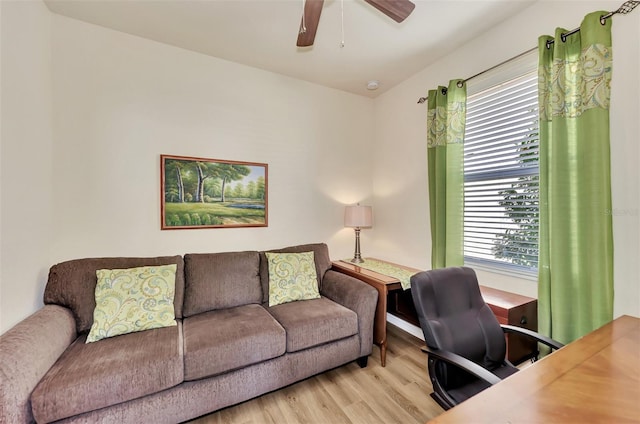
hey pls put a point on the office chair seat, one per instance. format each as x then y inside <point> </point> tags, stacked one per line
<point>475,386</point>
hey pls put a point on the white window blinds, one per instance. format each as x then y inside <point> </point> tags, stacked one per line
<point>501,175</point>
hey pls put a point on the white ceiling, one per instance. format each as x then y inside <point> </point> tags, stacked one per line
<point>262,33</point>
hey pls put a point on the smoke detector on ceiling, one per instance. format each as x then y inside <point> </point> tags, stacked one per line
<point>373,85</point>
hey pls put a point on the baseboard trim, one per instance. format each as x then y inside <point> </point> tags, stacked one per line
<point>405,326</point>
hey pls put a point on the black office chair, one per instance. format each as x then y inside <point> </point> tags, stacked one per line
<point>466,346</point>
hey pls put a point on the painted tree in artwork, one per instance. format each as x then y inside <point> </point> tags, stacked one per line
<point>212,189</point>
<point>205,170</point>
<point>173,173</point>
<point>230,172</point>
<point>251,190</point>
<point>238,191</point>
<point>260,188</point>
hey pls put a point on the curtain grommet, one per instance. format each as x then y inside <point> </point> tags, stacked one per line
<point>603,20</point>
<point>563,37</point>
<point>460,84</point>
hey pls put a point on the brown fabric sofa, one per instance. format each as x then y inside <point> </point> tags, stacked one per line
<point>229,345</point>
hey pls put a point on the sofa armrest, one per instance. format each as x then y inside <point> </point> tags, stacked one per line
<point>357,296</point>
<point>27,351</point>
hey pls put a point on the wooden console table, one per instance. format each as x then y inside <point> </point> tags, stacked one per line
<point>509,308</point>
<point>384,284</point>
<point>514,309</point>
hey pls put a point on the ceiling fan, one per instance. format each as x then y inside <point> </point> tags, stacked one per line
<point>398,10</point>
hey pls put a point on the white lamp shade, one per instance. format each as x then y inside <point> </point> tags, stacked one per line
<point>358,216</point>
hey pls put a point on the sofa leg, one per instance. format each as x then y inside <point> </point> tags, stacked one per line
<point>362,361</point>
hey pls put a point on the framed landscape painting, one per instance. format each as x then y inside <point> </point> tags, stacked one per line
<point>212,193</point>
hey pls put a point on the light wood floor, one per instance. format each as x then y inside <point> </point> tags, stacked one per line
<point>397,393</point>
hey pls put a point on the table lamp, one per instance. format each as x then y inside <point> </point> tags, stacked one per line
<point>358,217</point>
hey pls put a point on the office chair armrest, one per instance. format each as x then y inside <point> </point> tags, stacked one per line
<point>526,332</point>
<point>464,364</point>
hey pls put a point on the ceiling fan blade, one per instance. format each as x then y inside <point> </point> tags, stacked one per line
<point>312,11</point>
<point>398,10</point>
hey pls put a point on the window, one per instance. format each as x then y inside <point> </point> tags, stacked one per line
<point>501,172</point>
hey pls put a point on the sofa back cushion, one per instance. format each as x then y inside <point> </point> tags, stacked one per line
<point>73,284</point>
<point>221,280</point>
<point>321,256</point>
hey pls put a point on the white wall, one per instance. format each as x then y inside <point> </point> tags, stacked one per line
<point>119,102</point>
<point>25,158</point>
<point>399,164</point>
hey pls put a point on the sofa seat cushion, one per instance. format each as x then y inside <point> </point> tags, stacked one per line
<point>314,322</point>
<point>219,341</point>
<point>96,375</point>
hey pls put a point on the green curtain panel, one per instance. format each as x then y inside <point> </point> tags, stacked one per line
<point>445,134</point>
<point>575,290</point>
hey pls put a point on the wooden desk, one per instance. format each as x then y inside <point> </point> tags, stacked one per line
<point>384,284</point>
<point>595,379</point>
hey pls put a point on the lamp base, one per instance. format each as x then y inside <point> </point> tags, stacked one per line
<point>357,259</point>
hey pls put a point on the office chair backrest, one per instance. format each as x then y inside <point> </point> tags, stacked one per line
<point>454,317</point>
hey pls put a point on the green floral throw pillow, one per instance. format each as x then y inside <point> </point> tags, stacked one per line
<point>292,276</point>
<point>135,299</point>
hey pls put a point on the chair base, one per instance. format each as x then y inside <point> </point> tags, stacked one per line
<point>440,401</point>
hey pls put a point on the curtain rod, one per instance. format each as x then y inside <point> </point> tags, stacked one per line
<point>626,7</point>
